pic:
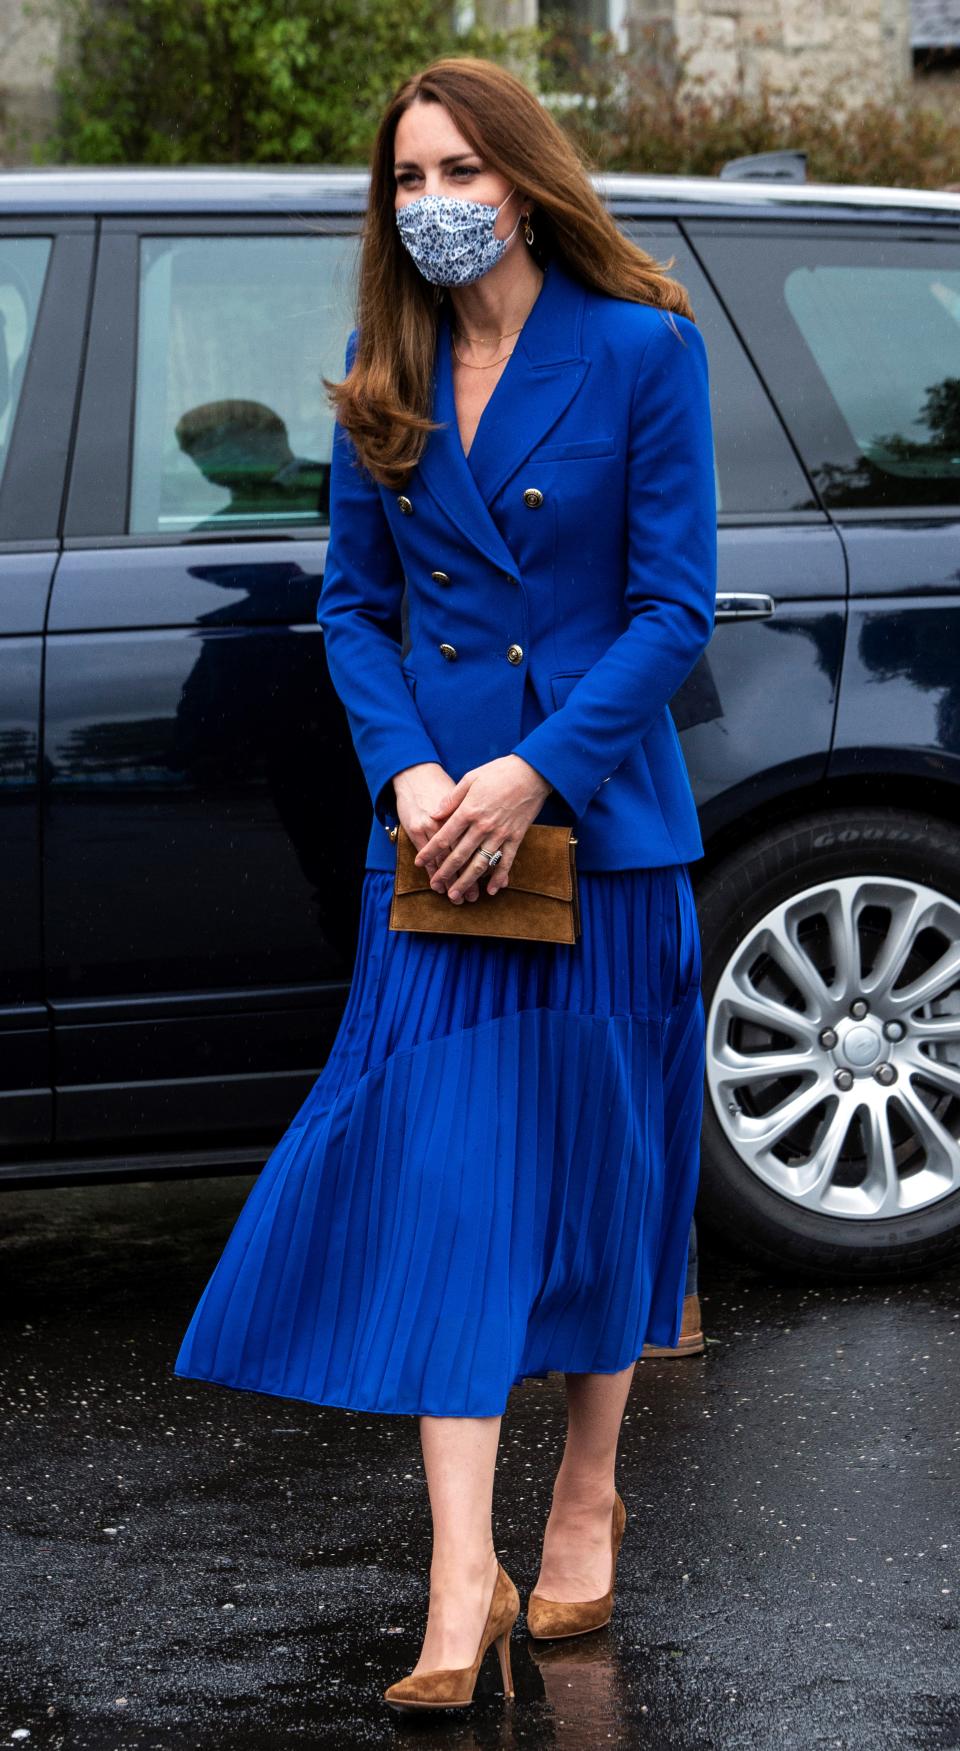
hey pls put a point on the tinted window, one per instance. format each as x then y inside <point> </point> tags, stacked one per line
<point>757,472</point>
<point>860,344</point>
<point>23,266</point>
<point>232,428</point>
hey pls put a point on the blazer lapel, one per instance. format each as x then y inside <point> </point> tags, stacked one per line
<point>538,382</point>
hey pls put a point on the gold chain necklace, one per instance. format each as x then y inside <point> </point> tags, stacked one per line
<point>489,365</point>
<point>478,340</point>
<point>490,362</point>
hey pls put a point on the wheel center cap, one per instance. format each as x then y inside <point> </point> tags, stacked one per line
<point>862,1046</point>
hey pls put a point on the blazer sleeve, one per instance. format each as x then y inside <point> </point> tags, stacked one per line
<point>671,582</point>
<point>359,609</point>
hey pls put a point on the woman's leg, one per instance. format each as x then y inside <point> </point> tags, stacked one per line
<point>459,1456</point>
<point>575,1563</point>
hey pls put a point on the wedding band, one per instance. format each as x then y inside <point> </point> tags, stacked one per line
<point>492,857</point>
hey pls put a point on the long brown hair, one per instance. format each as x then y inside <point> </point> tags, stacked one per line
<point>384,399</point>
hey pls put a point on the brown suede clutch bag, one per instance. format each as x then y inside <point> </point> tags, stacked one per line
<point>540,902</point>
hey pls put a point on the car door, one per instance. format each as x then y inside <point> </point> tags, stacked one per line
<point>45,268</point>
<point>857,329</point>
<point>832,1124</point>
<point>780,595</point>
<point>204,822</point>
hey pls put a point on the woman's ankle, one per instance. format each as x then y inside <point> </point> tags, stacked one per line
<point>465,1566</point>
<point>586,1493</point>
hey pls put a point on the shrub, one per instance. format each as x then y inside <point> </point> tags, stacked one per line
<point>241,81</point>
<point>647,111</point>
<point>304,81</point>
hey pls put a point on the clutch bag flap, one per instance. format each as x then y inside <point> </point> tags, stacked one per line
<point>539,903</point>
<point>543,865</point>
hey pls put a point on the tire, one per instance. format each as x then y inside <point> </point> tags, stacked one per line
<point>771,916</point>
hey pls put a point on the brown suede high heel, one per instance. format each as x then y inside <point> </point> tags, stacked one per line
<point>555,1617</point>
<point>453,1686</point>
<point>691,1342</point>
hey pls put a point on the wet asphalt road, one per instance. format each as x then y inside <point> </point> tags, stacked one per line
<point>188,1567</point>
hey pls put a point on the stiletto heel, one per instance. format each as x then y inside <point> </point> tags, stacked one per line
<point>503,1650</point>
<point>453,1686</point>
<point>554,1617</point>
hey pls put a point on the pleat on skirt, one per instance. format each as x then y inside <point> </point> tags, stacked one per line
<point>492,1177</point>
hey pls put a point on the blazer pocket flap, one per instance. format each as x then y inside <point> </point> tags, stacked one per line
<point>573,448</point>
<point>561,685</point>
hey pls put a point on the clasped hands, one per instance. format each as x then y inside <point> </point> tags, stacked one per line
<point>491,805</point>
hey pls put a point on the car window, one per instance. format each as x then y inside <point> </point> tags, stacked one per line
<point>756,468</point>
<point>860,344</point>
<point>232,427</point>
<point>23,267</point>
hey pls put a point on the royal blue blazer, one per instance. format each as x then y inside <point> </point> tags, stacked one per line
<point>547,594</point>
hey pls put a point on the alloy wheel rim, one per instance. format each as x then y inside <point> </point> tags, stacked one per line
<point>833,1048</point>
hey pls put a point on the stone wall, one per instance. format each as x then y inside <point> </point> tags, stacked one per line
<point>29,47</point>
<point>799,46</point>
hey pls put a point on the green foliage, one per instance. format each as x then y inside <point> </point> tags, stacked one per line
<point>305,81</point>
<point>241,81</point>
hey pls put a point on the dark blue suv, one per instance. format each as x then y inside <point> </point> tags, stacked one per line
<point>184,818</point>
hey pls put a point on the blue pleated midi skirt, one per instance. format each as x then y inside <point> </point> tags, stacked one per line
<point>492,1177</point>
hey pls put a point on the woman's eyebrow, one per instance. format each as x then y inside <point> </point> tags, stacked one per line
<point>411,163</point>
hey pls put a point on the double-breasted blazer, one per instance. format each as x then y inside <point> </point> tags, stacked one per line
<point>546,594</point>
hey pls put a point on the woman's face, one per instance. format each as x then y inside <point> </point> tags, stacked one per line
<point>431,157</point>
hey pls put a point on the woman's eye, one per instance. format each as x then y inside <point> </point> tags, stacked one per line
<point>461,170</point>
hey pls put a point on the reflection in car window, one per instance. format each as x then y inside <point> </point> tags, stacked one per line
<point>858,340</point>
<point>232,426</point>
<point>887,340</point>
<point>23,267</point>
<point>755,467</point>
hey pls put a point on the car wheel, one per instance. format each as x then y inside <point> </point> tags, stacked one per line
<point>831,988</point>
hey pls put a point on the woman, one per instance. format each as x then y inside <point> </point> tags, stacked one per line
<point>494,1175</point>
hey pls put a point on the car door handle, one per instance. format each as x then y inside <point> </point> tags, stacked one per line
<point>744,605</point>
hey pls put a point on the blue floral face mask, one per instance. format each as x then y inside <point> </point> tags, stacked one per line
<point>452,240</point>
